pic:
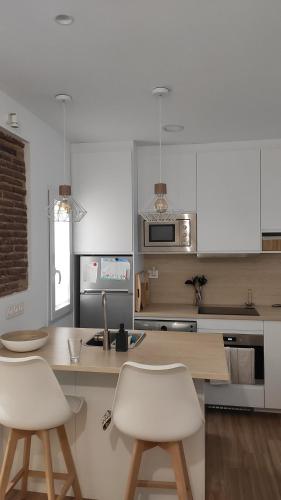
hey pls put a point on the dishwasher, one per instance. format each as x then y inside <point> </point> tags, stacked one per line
<point>166,325</point>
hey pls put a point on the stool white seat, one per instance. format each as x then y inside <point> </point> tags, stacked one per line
<point>157,405</point>
<point>32,403</point>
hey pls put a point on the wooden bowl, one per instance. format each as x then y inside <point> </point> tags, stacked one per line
<point>24,340</point>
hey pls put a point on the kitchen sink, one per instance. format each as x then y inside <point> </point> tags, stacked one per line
<point>228,310</point>
<point>134,339</point>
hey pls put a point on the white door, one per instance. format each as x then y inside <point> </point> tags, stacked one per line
<point>102,182</point>
<point>270,190</point>
<point>178,171</point>
<point>228,201</point>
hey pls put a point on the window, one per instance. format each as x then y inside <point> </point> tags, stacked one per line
<point>60,269</point>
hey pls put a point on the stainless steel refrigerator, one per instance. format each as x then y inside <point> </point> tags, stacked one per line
<point>114,274</point>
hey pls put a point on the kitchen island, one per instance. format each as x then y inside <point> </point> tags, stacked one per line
<point>103,457</point>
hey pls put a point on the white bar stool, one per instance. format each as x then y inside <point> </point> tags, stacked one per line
<point>158,406</point>
<point>32,403</point>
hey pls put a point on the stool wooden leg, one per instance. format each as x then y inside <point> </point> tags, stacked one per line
<point>26,458</point>
<point>44,436</point>
<point>69,462</point>
<point>179,465</point>
<point>139,448</point>
<point>8,462</point>
<point>186,475</point>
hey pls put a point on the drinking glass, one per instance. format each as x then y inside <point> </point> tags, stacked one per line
<point>74,347</point>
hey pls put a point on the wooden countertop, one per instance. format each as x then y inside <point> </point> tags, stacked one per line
<point>204,353</point>
<point>183,311</point>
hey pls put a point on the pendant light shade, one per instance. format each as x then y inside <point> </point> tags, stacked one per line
<point>65,208</point>
<point>160,209</point>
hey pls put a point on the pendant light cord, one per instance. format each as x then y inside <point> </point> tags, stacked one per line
<point>160,137</point>
<point>64,140</point>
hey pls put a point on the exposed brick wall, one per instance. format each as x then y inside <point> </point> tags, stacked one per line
<point>13,216</point>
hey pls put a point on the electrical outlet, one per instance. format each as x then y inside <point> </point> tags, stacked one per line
<point>153,273</point>
<point>14,310</point>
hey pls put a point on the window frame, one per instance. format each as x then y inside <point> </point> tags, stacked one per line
<point>60,313</point>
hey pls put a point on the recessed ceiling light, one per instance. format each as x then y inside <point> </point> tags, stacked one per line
<point>64,19</point>
<point>173,128</point>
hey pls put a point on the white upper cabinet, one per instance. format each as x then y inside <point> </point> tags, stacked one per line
<point>178,171</point>
<point>271,189</point>
<point>102,183</point>
<point>228,201</point>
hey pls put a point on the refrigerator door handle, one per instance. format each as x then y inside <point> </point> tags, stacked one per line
<point>95,291</point>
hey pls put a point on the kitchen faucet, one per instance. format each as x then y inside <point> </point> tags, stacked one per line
<point>106,337</point>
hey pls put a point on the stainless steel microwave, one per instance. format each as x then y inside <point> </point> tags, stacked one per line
<point>169,237</point>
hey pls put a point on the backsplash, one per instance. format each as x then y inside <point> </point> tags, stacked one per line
<point>228,279</point>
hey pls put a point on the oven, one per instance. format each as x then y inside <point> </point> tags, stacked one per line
<point>254,344</point>
<point>244,351</point>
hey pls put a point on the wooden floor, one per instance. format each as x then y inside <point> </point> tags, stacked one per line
<point>243,457</point>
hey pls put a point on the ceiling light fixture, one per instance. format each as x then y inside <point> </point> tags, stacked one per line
<point>13,120</point>
<point>173,128</point>
<point>64,19</point>
<point>160,210</point>
<point>65,208</point>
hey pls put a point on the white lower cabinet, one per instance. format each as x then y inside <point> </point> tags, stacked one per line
<point>230,325</point>
<point>272,364</point>
<point>248,396</point>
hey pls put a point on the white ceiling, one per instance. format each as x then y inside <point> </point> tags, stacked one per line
<point>222,59</point>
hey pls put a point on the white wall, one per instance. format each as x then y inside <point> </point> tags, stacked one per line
<point>44,168</point>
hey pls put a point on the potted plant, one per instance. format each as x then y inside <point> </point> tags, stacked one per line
<point>197,282</point>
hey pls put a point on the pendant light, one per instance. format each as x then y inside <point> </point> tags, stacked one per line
<point>65,208</point>
<point>160,209</point>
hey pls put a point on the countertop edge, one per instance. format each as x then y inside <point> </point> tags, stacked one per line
<point>108,371</point>
<point>169,312</point>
